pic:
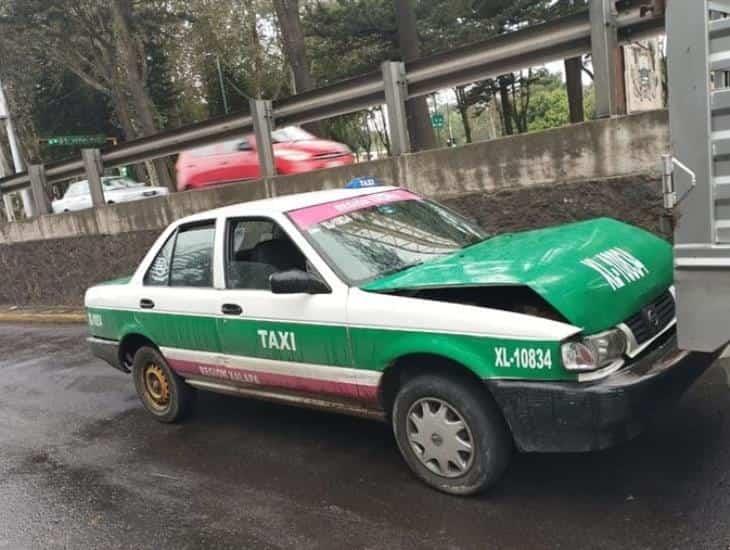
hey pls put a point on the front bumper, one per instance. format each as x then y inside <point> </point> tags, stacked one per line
<point>589,416</point>
<point>108,350</point>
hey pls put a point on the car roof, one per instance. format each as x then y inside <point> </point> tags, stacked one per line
<point>284,203</point>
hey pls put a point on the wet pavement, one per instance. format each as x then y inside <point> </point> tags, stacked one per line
<point>83,466</point>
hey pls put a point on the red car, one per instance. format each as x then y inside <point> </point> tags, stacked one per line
<point>295,151</point>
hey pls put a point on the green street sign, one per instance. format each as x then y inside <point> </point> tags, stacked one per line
<point>437,120</point>
<point>76,141</point>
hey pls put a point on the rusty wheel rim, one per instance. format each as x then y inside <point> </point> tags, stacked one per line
<point>157,386</point>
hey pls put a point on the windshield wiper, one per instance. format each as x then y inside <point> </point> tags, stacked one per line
<point>395,270</point>
<point>478,241</point>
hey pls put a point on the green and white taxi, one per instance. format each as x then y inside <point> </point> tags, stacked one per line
<point>381,303</point>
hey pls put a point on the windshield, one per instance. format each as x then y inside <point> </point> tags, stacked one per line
<point>78,188</point>
<point>119,183</point>
<point>291,133</point>
<point>370,236</point>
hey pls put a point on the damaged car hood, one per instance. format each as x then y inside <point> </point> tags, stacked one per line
<point>595,273</point>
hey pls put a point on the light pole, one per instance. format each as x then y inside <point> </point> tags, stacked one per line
<point>7,199</point>
<point>18,163</point>
<point>222,84</point>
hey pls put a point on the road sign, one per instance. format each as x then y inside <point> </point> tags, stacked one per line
<point>76,141</point>
<point>437,120</point>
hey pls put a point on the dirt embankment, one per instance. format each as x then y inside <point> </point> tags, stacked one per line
<point>635,200</point>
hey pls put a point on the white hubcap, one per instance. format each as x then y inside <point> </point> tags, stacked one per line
<point>440,437</point>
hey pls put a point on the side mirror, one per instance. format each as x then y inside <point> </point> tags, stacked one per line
<point>245,146</point>
<point>296,281</point>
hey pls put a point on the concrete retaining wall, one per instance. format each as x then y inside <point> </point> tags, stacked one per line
<point>590,151</point>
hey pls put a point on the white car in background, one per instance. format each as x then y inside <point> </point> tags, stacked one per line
<point>116,189</point>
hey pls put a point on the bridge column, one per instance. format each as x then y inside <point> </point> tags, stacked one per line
<point>608,66</point>
<point>9,211</point>
<point>574,85</point>
<point>41,205</point>
<point>94,171</point>
<point>263,125</point>
<point>396,94</point>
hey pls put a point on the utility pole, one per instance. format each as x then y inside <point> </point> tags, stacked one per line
<point>18,163</point>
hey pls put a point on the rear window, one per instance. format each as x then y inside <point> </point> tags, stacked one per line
<point>158,273</point>
<point>186,259</point>
<point>192,259</point>
<point>207,151</point>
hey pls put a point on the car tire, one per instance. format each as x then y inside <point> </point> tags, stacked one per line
<point>163,393</point>
<point>434,446</point>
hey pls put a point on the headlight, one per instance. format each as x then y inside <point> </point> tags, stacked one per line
<point>594,352</point>
<point>579,356</point>
<point>293,155</point>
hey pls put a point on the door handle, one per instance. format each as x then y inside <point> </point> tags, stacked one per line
<point>144,303</point>
<point>231,309</point>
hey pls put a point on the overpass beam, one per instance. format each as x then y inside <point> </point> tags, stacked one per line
<point>41,205</point>
<point>263,124</point>
<point>396,94</point>
<point>607,56</point>
<point>94,171</point>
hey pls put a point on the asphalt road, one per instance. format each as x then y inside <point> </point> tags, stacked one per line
<point>83,466</point>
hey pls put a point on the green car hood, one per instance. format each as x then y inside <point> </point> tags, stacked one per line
<point>595,273</point>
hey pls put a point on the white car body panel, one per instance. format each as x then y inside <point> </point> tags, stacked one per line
<point>82,202</point>
<point>350,306</point>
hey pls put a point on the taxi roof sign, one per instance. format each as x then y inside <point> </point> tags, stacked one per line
<point>364,182</point>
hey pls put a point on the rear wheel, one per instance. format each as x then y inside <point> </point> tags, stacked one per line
<point>451,434</point>
<point>162,392</point>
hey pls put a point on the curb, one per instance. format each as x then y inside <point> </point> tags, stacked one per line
<point>69,316</point>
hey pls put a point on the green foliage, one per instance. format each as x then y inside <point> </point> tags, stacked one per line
<point>548,109</point>
<point>349,37</point>
<point>548,104</point>
<point>63,105</point>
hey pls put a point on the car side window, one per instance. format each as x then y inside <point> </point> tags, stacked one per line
<point>192,257</point>
<point>236,145</point>
<point>255,250</point>
<point>158,273</point>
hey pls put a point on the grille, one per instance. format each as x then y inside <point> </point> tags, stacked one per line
<point>330,155</point>
<point>653,318</point>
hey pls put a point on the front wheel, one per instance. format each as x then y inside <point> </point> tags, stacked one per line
<point>451,434</point>
<point>162,392</point>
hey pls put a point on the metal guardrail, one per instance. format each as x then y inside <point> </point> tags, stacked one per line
<point>596,30</point>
